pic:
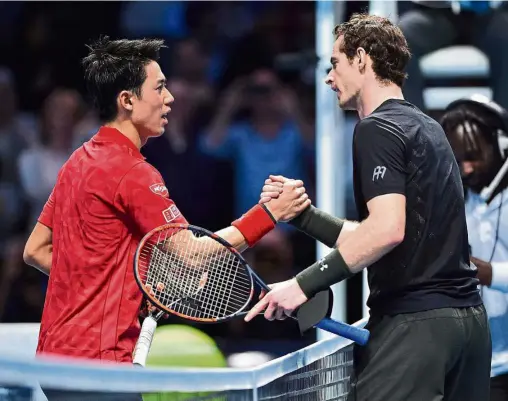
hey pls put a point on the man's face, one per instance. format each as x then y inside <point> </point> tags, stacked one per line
<point>150,110</point>
<point>477,155</point>
<point>344,77</point>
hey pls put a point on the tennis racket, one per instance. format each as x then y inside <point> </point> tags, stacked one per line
<point>193,273</point>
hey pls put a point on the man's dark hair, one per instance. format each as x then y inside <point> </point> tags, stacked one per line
<point>116,65</point>
<point>474,114</point>
<point>383,42</point>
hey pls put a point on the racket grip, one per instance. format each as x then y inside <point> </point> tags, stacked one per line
<point>356,334</point>
<point>144,341</point>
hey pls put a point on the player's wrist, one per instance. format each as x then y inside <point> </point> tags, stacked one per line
<point>272,213</point>
<point>323,274</point>
<point>255,224</point>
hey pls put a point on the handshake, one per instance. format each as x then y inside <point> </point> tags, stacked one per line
<point>284,198</point>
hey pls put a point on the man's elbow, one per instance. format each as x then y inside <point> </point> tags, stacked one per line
<point>393,235</point>
<point>30,255</point>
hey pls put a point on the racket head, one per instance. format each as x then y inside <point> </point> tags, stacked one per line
<point>213,290</point>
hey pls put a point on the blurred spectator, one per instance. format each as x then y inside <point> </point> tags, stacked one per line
<point>21,289</point>
<point>432,25</point>
<point>191,64</point>
<point>14,134</point>
<point>183,166</point>
<point>39,165</point>
<point>86,128</point>
<point>272,138</point>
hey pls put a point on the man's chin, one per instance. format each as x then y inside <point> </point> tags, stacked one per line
<point>347,106</point>
<point>153,134</point>
<point>474,187</point>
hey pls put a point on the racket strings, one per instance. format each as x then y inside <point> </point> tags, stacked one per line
<point>199,278</point>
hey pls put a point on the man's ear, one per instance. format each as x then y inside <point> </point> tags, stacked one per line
<point>125,100</point>
<point>362,58</point>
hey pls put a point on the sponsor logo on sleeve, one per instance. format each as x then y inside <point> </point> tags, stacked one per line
<point>171,213</point>
<point>159,189</point>
<point>379,173</point>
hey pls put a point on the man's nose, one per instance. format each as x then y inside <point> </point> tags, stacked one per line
<point>328,79</point>
<point>467,168</point>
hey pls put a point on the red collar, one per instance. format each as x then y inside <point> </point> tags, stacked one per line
<point>109,134</point>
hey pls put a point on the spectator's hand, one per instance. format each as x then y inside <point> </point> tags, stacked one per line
<point>288,102</point>
<point>484,271</point>
<point>291,201</point>
<point>279,302</point>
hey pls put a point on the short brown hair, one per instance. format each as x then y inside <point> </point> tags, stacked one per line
<point>384,43</point>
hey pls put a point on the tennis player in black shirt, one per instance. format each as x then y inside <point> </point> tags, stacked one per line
<point>430,337</point>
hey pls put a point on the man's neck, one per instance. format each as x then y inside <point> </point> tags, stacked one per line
<point>127,129</point>
<point>375,95</point>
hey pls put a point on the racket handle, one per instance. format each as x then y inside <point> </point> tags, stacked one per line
<point>356,334</point>
<point>144,341</point>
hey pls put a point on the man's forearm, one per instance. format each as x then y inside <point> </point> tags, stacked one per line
<point>362,245</point>
<point>234,237</point>
<point>348,228</point>
<point>41,260</point>
<point>366,244</point>
<point>324,227</point>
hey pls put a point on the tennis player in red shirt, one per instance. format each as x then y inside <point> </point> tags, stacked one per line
<point>105,199</point>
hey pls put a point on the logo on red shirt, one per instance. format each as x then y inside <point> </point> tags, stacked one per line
<point>171,213</point>
<point>159,189</point>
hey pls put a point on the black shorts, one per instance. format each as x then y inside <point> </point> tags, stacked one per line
<point>440,354</point>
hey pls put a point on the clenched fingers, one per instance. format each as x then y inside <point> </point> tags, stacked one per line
<point>278,178</point>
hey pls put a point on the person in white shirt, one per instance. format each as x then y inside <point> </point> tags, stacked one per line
<point>477,130</point>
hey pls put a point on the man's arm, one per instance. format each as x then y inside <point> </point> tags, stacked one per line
<point>143,196</point>
<point>380,153</point>
<point>38,250</point>
<point>316,223</point>
<point>378,234</point>
<point>493,275</point>
<point>381,162</point>
<point>499,279</point>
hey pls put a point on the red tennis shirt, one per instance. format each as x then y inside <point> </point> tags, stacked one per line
<point>105,199</point>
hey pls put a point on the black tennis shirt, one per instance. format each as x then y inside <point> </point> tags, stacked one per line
<point>399,149</point>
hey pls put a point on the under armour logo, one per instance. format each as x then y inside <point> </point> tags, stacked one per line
<point>323,265</point>
<point>379,172</point>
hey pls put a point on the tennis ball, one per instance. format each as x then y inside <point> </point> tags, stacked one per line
<point>181,345</point>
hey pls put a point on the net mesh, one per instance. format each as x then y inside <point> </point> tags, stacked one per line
<point>192,274</point>
<point>320,372</point>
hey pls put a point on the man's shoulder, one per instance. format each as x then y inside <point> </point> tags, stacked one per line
<point>378,124</point>
<point>101,167</point>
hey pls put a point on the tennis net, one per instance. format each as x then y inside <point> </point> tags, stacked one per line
<point>318,372</point>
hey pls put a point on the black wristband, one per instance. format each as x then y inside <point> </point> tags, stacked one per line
<point>320,225</point>
<point>323,274</point>
<point>269,213</point>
